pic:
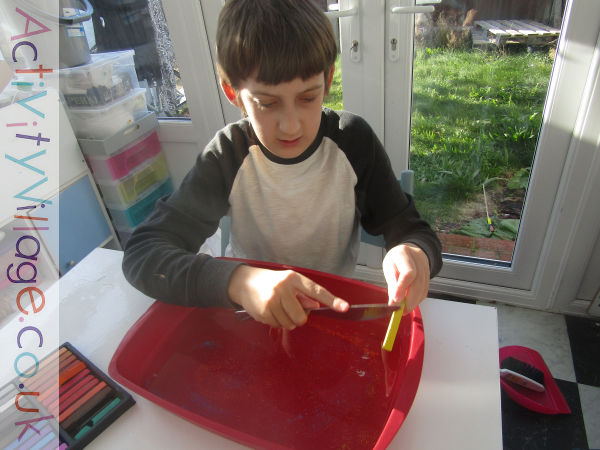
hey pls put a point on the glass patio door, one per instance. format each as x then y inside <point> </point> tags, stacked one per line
<point>479,81</point>
<point>484,116</point>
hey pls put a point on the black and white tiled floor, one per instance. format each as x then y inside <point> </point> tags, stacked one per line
<point>570,347</point>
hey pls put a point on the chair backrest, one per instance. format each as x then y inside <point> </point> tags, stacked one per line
<point>407,181</point>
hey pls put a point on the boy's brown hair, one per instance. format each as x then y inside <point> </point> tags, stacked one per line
<point>273,40</point>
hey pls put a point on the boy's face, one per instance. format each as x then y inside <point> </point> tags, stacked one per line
<point>286,116</point>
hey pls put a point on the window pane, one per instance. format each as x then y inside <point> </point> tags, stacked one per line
<point>479,87</point>
<point>335,99</point>
<point>141,25</point>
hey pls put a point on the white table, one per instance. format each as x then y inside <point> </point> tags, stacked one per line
<point>457,405</point>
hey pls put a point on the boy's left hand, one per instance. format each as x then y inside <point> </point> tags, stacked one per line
<point>406,270</point>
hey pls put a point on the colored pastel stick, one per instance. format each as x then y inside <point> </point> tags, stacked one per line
<point>44,441</point>
<point>67,359</point>
<point>35,381</point>
<point>14,438</point>
<point>390,335</point>
<point>53,445</point>
<point>87,384</point>
<point>49,371</point>
<point>33,439</point>
<point>66,356</point>
<point>86,410</point>
<point>49,360</point>
<point>49,399</point>
<point>48,389</point>
<point>71,409</point>
<point>73,381</point>
<point>77,391</point>
<point>71,371</point>
<point>6,405</point>
<point>8,421</point>
<point>6,389</point>
<point>94,420</point>
<point>69,364</point>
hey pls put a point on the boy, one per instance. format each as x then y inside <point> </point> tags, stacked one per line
<point>297,181</point>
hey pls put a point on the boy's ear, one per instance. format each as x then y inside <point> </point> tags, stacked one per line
<point>229,93</point>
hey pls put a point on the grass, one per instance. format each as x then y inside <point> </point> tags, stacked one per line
<point>335,99</point>
<point>476,117</point>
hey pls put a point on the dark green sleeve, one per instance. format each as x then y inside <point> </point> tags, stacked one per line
<point>384,208</point>
<point>161,258</point>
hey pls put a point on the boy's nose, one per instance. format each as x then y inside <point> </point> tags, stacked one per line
<point>289,122</point>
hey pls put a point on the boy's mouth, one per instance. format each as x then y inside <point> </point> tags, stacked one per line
<point>290,143</point>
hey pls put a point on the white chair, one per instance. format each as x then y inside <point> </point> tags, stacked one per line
<point>407,181</point>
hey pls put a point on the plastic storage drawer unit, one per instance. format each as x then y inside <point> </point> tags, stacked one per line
<point>107,77</point>
<point>121,164</point>
<point>132,216</point>
<point>103,122</point>
<point>123,192</point>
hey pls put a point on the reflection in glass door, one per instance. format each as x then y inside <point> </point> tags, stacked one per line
<point>480,79</point>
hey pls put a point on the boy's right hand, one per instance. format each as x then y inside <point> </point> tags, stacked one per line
<point>279,298</point>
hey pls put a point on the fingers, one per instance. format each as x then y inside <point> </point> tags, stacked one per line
<point>391,273</point>
<point>307,302</point>
<point>406,270</point>
<point>309,288</point>
<point>279,298</point>
<point>289,319</point>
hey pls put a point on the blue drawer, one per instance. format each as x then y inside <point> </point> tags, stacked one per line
<point>82,225</point>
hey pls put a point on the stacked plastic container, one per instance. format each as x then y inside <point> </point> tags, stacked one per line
<point>118,136</point>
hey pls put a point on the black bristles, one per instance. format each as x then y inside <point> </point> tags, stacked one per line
<point>523,368</point>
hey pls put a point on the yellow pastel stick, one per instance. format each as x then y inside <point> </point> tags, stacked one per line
<point>390,335</point>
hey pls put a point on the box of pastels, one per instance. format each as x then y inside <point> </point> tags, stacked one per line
<point>67,400</point>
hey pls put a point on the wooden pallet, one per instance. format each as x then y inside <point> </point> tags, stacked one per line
<point>504,32</point>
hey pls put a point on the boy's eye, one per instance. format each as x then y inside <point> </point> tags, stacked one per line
<point>263,104</point>
<point>308,99</point>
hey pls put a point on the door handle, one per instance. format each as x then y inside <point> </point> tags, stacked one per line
<point>335,13</point>
<point>412,9</point>
<point>351,13</point>
<point>394,28</point>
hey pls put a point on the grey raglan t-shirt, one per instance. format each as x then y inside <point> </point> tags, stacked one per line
<point>303,211</point>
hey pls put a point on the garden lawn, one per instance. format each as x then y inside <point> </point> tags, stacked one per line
<point>476,118</point>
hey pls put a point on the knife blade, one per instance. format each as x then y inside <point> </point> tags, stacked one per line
<point>369,311</point>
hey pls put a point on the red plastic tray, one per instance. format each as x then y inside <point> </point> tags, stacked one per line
<point>326,384</point>
<point>551,401</point>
